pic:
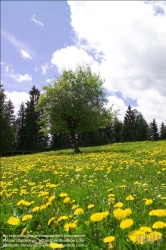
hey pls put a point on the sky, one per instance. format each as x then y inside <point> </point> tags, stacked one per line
<point>125,41</point>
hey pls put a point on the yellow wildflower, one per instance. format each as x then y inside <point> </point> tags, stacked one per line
<point>158,212</point>
<point>23,231</point>
<point>50,220</point>
<point>121,214</point>
<point>126,223</point>
<point>26,217</point>
<point>78,211</point>
<point>129,198</point>
<point>108,239</point>
<point>69,226</point>
<point>13,221</point>
<point>119,204</point>
<point>90,206</point>
<point>64,217</point>
<point>159,224</point>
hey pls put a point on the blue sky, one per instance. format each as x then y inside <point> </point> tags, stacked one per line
<point>124,41</point>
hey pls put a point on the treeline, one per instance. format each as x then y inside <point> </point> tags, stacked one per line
<point>22,132</point>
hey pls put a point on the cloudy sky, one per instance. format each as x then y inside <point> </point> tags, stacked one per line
<point>123,40</point>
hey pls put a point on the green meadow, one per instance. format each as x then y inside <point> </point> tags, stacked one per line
<point>108,197</point>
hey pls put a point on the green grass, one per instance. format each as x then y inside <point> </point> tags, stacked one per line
<point>102,176</point>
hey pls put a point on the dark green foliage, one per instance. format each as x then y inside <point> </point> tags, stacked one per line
<point>153,131</point>
<point>134,126</point>
<point>163,131</point>
<point>29,136</point>
<point>7,121</point>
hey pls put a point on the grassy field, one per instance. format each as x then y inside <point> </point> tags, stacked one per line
<point>108,197</point>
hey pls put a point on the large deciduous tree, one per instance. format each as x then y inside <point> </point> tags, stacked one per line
<point>74,103</point>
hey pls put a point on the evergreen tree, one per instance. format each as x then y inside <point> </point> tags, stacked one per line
<point>28,132</point>
<point>163,131</point>
<point>141,127</point>
<point>6,129</point>
<point>153,131</point>
<point>118,125</point>
<point>20,128</point>
<point>128,129</point>
<point>33,138</point>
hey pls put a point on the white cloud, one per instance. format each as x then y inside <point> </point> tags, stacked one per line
<point>69,57</point>
<point>2,63</point>
<point>17,98</point>
<point>21,78</point>
<point>44,68</point>
<point>49,80</point>
<point>118,104</point>
<point>36,69</point>
<point>21,47</point>
<point>25,54</point>
<point>129,38</point>
<point>36,21</point>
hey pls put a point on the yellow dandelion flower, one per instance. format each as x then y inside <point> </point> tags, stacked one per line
<point>64,217</point>
<point>74,207</point>
<point>90,206</point>
<point>129,198</point>
<point>111,195</point>
<point>51,198</point>
<point>66,200</point>
<point>159,224</point>
<point>119,204</point>
<point>158,212</point>
<point>13,221</point>
<point>148,202</point>
<point>121,214</point>
<point>99,216</point>
<point>50,220</point>
<point>23,231</point>
<point>44,206</point>
<point>137,237</point>
<point>56,245</point>
<point>26,217</point>
<point>69,226</point>
<point>108,239</point>
<point>35,209</point>
<point>42,193</point>
<point>63,194</point>
<point>145,229</point>
<point>126,223</point>
<point>78,211</point>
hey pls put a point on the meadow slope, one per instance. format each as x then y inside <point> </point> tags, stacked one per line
<point>108,197</point>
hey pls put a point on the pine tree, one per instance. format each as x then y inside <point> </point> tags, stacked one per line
<point>6,130</point>
<point>34,139</point>
<point>141,127</point>
<point>20,128</point>
<point>118,125</point>
<point>153,131</point>
<point>163,131</point>
<point>128,130</point>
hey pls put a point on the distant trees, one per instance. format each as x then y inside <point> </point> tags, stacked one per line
<point>74,104</point>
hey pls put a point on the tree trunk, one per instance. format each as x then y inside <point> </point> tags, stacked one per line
<point>75,144</point>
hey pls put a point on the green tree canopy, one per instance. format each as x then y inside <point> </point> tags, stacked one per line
<point>74,103</point>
